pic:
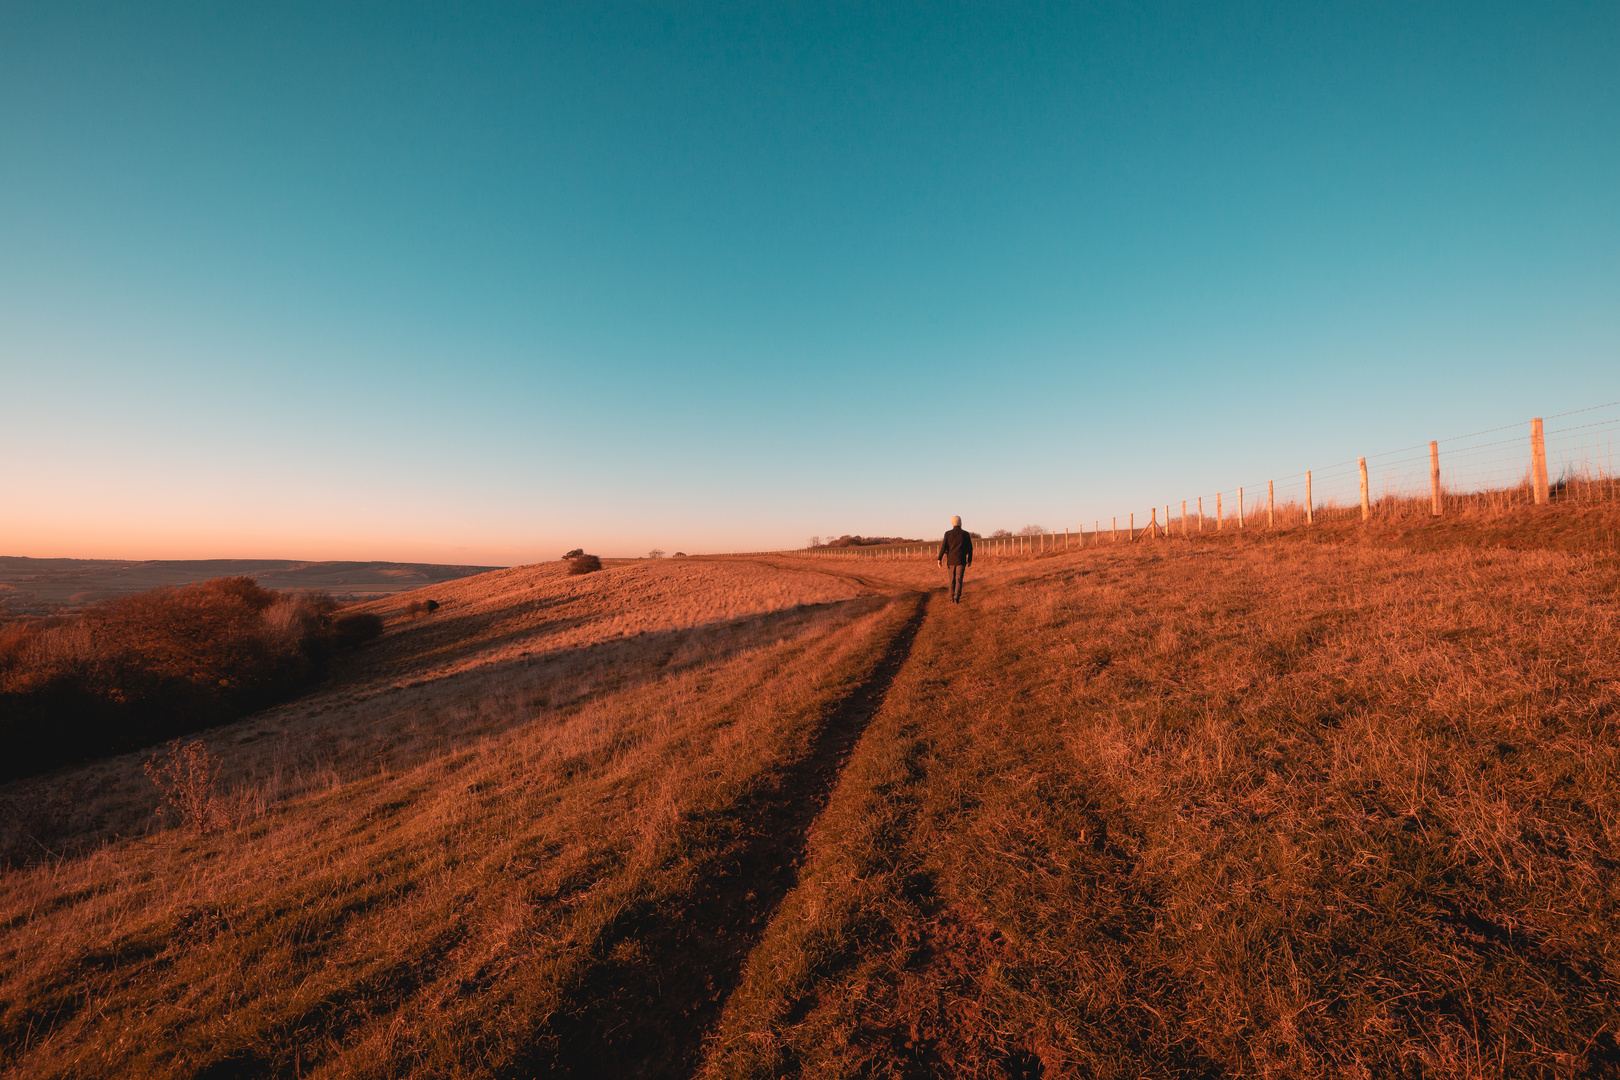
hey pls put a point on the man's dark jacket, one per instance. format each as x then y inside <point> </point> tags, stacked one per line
<point>957,548</point>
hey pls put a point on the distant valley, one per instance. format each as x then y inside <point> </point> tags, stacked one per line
<point>51,586</point>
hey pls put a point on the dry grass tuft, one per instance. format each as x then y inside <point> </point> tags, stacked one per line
<point>185,777</point>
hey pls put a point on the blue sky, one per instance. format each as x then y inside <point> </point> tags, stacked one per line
<point>416,282</point>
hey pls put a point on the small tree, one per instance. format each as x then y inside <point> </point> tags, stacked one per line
<point>656,553</point>
<point>1032,530</point>
<point>576,553</point>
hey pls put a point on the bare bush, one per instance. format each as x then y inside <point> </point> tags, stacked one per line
<point>295,620</point>
<point>185,778</point>
<point>584,564</point>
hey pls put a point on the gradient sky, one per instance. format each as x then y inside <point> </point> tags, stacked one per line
<point>478,285</point>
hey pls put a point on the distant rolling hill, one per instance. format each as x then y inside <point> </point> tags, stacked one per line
<point>43,586</point>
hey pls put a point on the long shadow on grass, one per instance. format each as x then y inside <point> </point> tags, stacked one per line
<point>662,972</point>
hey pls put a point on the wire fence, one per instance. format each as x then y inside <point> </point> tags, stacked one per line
<point>1567,458</point>
<point>1492,469</point>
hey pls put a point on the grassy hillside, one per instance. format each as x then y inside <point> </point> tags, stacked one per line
<point>1332,804</point>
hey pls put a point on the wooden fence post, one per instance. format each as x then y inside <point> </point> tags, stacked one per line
<point>1183,517</point>
<point>1366,507</point>
<point>1271,503</point>
<point>1434,478</point>
<point>1200,513</point>
<point>1310,503</point>
<point>1113,532</point>
<point>1153,522</point>
<point>1538,461</point>
<point>1240,508</point>
<point>1220,513</point>
<point>1130,529</point>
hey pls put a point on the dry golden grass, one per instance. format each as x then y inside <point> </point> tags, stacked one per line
<point>1260,808</point>
<point>1307,804</point>
<point>390,849</point>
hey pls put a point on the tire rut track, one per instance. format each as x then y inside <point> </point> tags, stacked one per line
<point>649,1012</point>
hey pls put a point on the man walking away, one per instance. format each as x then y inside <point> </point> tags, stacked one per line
<point>956,552</point>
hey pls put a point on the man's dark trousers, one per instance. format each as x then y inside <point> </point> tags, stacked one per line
<point>958,572</point>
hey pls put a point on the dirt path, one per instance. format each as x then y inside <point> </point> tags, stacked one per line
<point>666,971</point>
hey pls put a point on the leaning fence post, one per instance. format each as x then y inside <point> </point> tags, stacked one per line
<point>1434,478</point>
<point>1310,503</point>
<point>1538,461</point>
<point>1366,509</point>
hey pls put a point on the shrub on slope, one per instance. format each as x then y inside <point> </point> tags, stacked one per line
<point>584,564</point>
<point>140,669</point>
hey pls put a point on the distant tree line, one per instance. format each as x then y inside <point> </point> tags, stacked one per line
<point>846,541</point>
<point>156,665</point>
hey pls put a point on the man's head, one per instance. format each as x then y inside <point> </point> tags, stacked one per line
<point>956,522</point>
